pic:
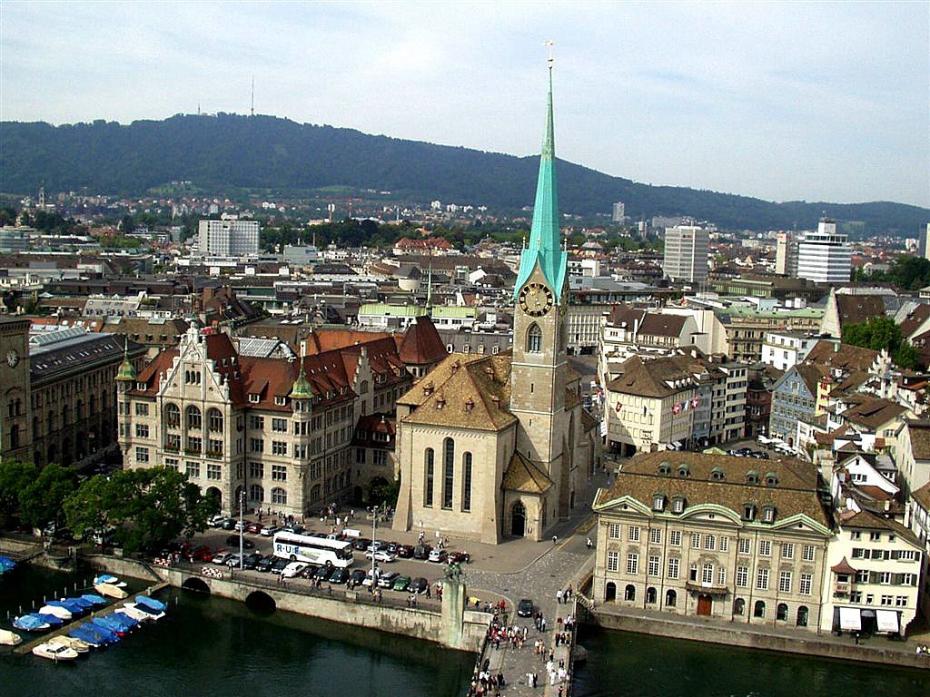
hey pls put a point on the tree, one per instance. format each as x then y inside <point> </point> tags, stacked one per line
<point>127,224</point>
<point>876,333</point>
<point>40,501</point>
<point>148,507</point>
<point>15,476</point>
<point>906,356</point>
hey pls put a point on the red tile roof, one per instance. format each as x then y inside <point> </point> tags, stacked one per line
<point>422,344</point>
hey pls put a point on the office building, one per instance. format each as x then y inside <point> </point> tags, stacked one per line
<point>824,256</point>
<point>619,212</point>
<point>685,253</point>
<point>786,254</point>
<point>228,238</point>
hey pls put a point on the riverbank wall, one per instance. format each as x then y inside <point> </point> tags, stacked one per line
<point>453,627</point>
<point>808,645</point>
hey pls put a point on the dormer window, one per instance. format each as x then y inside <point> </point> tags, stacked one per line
<point>768,514</point>
<point>280,401</point>
<point>254,398</point>
<point>658,502</point>
<point>665,468</point>
<point>678,504</point>
<point>717,474</point>
<point>752,477</point>
<point>771,479</point>
<point>749,511</point>
<point>683,471</point>
<point>140,385</point>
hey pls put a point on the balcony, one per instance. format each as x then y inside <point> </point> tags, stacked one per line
<point>172,448</point>
<point>215,454</point>
<point>841,589</point>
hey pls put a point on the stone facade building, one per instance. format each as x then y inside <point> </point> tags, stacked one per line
<point>499,445</point>
<point>715,536</point>
<point>58,393</point>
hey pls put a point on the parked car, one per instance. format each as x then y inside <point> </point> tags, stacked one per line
<point>422,552</point>
<point>254,528</point>
<point>358,575</point>
<point>404,551</point>
<point>279,565</point>
<point>459,557</point>
<point>308,572</point>
<point>233,561</point>
<point>525,608</point>
<point>216,521</point>
<point>401,583</point>
<point>381,556</point>
<point>228,524</point>
<point>251,560</point>
<point>265,564</point>
<point>292,569</point>
<point>269,530</point>
<point>391,547</point>
<point>201,553</point>
<point>375,545</point>
<point>361,543</point>
<point>387,580</point>
<point>295,528</point>
<point>221,557</point>
<point>323,573</point>
<point>339,576</point>
<point>240,525</point>
<point>418,585</point>
<point>233,541</point>
<point>438,555</point>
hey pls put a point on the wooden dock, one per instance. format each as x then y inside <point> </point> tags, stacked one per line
<point>27,646</point>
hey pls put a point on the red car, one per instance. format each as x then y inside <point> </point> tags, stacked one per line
<point>254,528</point>
<point>459,557</point>
<point>202,553</point>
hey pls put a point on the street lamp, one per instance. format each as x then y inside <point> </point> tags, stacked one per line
<point>241,530</point>
<point>374,510</point>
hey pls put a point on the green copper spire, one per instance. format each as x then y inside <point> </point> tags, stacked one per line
<point>126,372</point>
<point>544,248</point>
<point>301,388</point>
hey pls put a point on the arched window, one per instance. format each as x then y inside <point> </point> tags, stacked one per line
<point>466,482</point>
<point>429,464</point>
<point>802,616</point>
<point>35,428</point>
<point>278,495</point>
<point>172,415</point>
<point>194,418</point>
<point>760,609</point>
<point>93,404</point>
<point>630,592</point>
<point>671,599</point>
<point>781,612</point>
<point>651,596</point>
<point>50,426</point>
<point>215,420</point>
<point>14,436</point>
<point>611,592</point>
<point>534,339</point>
<point>739,607</point>
<point>79,410</point>
<point>256,493</point>
<point>448,471</point>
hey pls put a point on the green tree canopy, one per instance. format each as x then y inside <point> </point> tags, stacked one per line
<point>148,507</point>
<point>879,333</point>
<point>15,476</point>
<point>41,499</point>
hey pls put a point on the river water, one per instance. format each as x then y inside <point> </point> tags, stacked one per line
<point>209,646</point>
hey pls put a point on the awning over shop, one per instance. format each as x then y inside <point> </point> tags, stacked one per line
<point>850,619</point>
<point>887,621</point>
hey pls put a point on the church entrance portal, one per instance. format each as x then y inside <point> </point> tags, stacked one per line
<point>518,519</point>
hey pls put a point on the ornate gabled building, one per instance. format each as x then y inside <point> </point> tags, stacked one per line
<point>278,430</point>
<point>490,446</point>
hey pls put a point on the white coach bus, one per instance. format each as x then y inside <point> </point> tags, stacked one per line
<point>313,550</point>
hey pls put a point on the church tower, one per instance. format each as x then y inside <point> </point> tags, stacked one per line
<point>539,368</point>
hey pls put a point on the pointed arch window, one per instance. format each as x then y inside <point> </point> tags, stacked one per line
<point>448,471</point>
<point>534,339</point>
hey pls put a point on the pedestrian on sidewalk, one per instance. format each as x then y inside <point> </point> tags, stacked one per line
<point>555,540</point>
<point>588,543</point>
<point>558,596</point>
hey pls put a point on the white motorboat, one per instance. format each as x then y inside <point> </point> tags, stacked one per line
<point>8,638</point>
<point>55,652</point>
<point>55,611</point>
<point>110,579</point>
<point>130,610</point>
<point>70,643</point>
<point>110,591</point>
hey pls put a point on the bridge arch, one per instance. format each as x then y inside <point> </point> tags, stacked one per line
<point>261,602</point>
<point>198,585</point>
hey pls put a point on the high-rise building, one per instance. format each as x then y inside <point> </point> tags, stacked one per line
<point>228,238</point>
<point>685,253</point>
<point>619,212</point>
<point>824,256</point>
<point>923,249</point>
<point>786,254</point>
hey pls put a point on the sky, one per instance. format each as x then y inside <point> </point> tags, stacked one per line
<point>783,101</point>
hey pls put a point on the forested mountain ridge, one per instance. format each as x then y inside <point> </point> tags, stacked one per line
<point>265,152</point>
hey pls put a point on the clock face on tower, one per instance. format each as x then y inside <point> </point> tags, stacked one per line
<point>12,358</point>
<point>536,299</point>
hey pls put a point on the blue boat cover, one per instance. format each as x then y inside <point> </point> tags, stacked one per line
<point>51,619</point>
<point>94,599</point>
<point>151,602</point>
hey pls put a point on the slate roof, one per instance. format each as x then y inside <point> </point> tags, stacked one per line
<point>873,412</point>
<point>795,493</point>
<point>855,309</point>
<point>831,355</point>
<point>50,360</point>
<point>522,475</point>
<point>650,378</point>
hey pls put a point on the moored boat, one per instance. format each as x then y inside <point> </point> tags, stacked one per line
<point>31,623</point>
<point>110,591</point>
<point>94,599</point>
<point>155,608</point>
<point>131,610</point>
<point>69,642</point>
<point>110,625</point>
<point>89,637</point>
<point>56,610</point>
<point>53,620</point>
<point>109,579</point>
<point>55,652</point>
<point>8,638</point>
